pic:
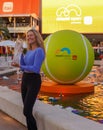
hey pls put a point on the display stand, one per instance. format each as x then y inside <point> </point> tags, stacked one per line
<point>80,87</point>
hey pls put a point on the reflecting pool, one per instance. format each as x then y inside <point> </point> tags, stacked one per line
<point>89,105</point>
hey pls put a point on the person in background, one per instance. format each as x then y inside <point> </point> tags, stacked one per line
<point>30,64</point>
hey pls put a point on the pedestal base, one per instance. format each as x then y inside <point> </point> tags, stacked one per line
<point>53,87</point>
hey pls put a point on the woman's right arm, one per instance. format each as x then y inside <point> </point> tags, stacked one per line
<point>22,60</point>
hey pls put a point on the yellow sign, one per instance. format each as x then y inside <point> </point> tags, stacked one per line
<point>84,16</point>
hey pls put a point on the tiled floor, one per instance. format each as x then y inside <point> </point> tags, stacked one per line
<point>8,123</point>
<point>11,82</point>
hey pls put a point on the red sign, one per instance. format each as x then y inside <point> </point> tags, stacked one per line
<point>19,7</point>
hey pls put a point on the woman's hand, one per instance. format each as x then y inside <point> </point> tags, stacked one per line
<point>15,64</point>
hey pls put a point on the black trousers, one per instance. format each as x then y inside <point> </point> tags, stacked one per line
<point>30,87</point>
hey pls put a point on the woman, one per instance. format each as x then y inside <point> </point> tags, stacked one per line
<point>30,64</point>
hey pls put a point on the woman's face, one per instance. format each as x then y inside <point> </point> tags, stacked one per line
<point>31,39</point>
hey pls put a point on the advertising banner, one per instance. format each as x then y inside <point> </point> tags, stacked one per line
<point>84,16</point>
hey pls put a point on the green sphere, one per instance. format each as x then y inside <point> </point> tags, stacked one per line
<point>69,57</point>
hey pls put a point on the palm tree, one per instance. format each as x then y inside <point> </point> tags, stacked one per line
<point>4,32</point>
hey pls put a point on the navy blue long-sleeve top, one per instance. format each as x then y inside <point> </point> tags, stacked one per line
<point>32,60</point>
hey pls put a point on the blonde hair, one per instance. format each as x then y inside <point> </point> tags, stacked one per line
<point>39,39</point>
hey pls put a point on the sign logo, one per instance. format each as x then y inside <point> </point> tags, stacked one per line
<point>65,52</point>
<point>7,7</point>
<point>72,13</point>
